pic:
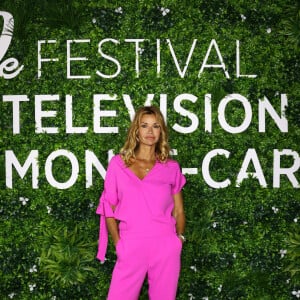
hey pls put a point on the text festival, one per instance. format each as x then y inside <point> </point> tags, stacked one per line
<point>10,68</point>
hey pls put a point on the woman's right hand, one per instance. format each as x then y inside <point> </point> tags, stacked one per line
<point>116,240</point>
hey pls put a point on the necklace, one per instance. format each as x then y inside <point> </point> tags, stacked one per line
<point>145,164</point>
<point>142,163</point>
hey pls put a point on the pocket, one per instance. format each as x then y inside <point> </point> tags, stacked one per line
<point>178,241</point>
<point>121,249</point>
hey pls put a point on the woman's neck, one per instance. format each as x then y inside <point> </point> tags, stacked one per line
<point>145,153</point>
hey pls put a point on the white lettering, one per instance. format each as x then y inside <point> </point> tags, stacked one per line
<point>109,58</point>
<point>98,113</point>
<point>69,59</point>
<point>251,155</point>
<point>10,64</point>
<point>39,113</point>
<point>265,105</point>
<point>69,118</point>
<point>40,59</point>
<point>206,169</point>
<point>15,99</point>
<point>247,109</point>
<point>178,108</point>
<point>137,54</point>
<point>221,65</point>
<point>238,72</point>
<point>182,73</point>
<point>207,113</point>
<point>91,161</point>
<point>289,172</point>
<point>11,160</point>
<point>157,58</point>
<point>74,169</point>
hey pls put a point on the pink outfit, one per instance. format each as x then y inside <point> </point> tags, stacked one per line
<point>148,242</point>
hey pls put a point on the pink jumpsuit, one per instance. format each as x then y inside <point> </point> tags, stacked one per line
<point>148,244</point>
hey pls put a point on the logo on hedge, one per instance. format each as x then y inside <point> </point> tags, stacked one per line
<point>9,68</point>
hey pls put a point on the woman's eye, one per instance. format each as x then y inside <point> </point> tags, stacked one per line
<point>155,126</point>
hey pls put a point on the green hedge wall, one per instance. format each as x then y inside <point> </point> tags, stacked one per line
<point>243,242</point>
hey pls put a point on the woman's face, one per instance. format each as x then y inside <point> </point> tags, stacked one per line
<point>149,130</point>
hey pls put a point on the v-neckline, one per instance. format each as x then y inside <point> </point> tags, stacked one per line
<point>134,174</point>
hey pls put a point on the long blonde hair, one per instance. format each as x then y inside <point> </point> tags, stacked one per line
<point>162,148</point>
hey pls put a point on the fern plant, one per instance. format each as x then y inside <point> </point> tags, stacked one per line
<point>67,256</point>
<point>291,25</point>
<point>293,254</point>
<point>63,13</point>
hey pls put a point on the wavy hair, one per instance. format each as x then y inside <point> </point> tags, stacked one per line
<point>162,148</point>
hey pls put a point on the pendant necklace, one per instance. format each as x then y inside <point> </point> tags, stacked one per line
<point>145,169</point>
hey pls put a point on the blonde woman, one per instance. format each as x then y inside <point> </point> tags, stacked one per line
<point>141,207</point>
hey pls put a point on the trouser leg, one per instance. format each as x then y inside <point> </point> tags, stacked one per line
<point>163,273</point>
<point>129,272</point>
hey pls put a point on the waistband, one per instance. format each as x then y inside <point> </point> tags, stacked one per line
<point>157,229</point>
<point>130,234</point>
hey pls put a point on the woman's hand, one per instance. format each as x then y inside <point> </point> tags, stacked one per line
<point>113,229</point>
<point>179,215</point>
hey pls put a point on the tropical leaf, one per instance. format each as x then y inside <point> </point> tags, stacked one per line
<point>291,25</point>
<point>293,253</point>
<point>66,13</point>
<point>66,256</point>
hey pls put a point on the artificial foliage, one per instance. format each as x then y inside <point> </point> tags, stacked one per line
<point>242,239</point>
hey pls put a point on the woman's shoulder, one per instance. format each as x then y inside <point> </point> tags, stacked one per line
<point>116,160</point>
<point>172,163</point>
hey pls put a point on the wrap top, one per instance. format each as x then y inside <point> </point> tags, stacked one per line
<point>143,206</point>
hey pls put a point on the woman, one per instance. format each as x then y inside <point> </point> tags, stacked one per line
<point>142,208</point>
